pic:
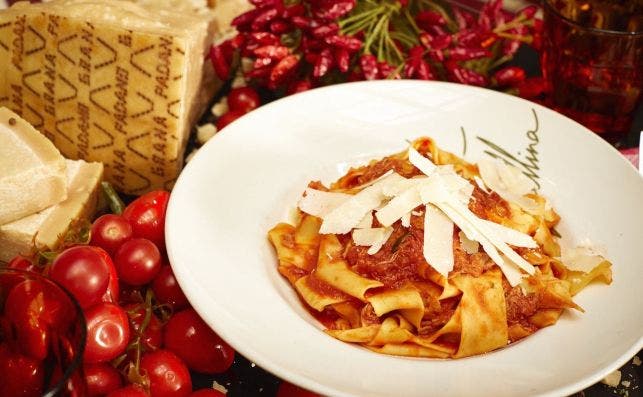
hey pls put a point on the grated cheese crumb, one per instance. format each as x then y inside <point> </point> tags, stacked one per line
<point>636,361</point>
<point>191,155</point>
<point>247,64</point>
<point>612,379</point>
<point>239,81</point>
<point>220,107</point>
<point>626,383</point>
<point>205,132</point>
<point>219,387</point>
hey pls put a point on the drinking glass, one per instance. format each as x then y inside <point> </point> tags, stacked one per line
<point>42,337</point>
<point>593,60</point>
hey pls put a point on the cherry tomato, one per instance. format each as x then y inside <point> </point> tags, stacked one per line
<point>243,99</point>
<point>287,389</point>
<point>169,377</point>
<point>146,214</point>
<point>227,118</point>
<point>113,288</point>
<point>207,393</point>
<point>108,332</point>
<point>129,391</point>
<point>187,335</point>
<point>167,290</point>
<point>152,337</point>
<point>21,263</point>
<point>110,231</point>
<point>101,379</point>
<point>137,261</point>
<point>34,309</point>
<point>84,271</point>
<point>20,375</point>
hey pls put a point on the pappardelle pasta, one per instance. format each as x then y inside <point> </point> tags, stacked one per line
<point>423,254</point>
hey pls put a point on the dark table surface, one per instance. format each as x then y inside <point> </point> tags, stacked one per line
<point>245,378</point>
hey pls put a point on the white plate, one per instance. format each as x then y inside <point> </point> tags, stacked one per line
<point>247,179</point>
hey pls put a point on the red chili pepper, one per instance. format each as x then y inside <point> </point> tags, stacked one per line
<point>465,54</point>
<point>286,66</point>
<point>439,42</point>
<point>272,52</point>
<point>532,87</point>
<point>332,10</point>
<point>510,47</point>
<point>237,41</point>
<point>342,58</point>
<point>264,38</point>
<point>509,76</point>
<point>323,64</point>
<point>491,14</point>
<point>261,62</point>
<point>424,71</point>
<point>243,21</point>
<point>403,3</point>
<point>259,73</point>
<point>311,57</point>
<point>349,43</point>
<point>528,11</point>
<point>462,18</point>
<point>413,61</point>
<point>279,27</point>
<point>219,62</point>
<point>424,19</point>
<point>368,63</point>
<point>263,19</point>
<point>325,30</point>
<point>464,75</point>
<point>292,11</point>
<point>301,22</point>
<point>298,86</point>
<point>386,71</point>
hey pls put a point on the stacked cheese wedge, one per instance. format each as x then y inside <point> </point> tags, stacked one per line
<point>443,196</point>
<point>41,193</point>
<point>111,81</point>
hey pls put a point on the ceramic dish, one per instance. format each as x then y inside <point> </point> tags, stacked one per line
<point>250,176</point>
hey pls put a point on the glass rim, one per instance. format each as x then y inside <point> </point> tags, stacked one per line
<point>77,360</point>
<point>547,6</point>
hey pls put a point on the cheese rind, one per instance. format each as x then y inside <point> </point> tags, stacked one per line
<point>109,81</point>
<point>32,170</point>
<point>47,228</point>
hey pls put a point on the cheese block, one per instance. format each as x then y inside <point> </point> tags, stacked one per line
<point>111,81</point>
<point>47,228</point>
<point>32,170</point>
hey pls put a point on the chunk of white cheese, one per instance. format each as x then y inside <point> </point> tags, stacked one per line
<point>374,238</point>
<point>399,206</point>
<point>349,214</point>
<point>319,203</point>
<point>438,240</point>
<point>47,228</point>
<point>467,245</point>
<point>581,258</point>
<point>508,182</point>
<point>32,170</point>
<point>420,162</point>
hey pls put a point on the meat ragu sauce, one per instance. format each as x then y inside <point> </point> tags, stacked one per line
<point>399,260</point>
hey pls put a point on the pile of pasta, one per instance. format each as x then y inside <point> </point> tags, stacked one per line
<point>424,254</point>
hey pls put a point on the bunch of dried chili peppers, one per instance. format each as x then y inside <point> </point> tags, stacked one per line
<point>292,45</point>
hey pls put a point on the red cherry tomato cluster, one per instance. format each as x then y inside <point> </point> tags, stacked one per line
<point>143,337</point>
<point>241,100</point>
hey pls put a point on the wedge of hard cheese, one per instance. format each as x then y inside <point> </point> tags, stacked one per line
<point>110,81</point>
<point>47,228</point>
<point>32,170</point>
